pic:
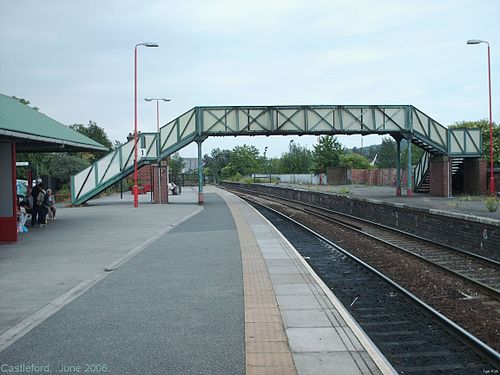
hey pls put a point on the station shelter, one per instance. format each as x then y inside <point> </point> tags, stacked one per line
<point>24,129</point>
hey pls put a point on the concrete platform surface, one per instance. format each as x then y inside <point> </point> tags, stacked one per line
<point>171,289</point>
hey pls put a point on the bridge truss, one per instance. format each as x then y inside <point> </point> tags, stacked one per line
<point>195,125</point>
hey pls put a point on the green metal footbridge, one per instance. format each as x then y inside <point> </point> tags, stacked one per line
<point>400,121</point>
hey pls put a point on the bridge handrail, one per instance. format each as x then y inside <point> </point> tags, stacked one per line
<point>421,170</point>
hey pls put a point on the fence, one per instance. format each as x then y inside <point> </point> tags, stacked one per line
<point>301,179</point>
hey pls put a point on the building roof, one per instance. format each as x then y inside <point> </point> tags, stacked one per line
<point>33,131</point>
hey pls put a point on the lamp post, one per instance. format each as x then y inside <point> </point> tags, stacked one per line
<point>145,44</point>
<point>157,100</point>
<point>265,163</point>
<point>492,176</point>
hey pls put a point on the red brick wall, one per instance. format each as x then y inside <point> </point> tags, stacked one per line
<point>143,176</point>
<point>440,176</point>
<point>336,176</point>
<point>475,176</point>
<point>380,176</point>
<point>163,184</point>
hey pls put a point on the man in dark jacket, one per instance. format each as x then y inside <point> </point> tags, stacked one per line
<point>34,197</point>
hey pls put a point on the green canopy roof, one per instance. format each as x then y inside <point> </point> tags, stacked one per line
<point>33,131</point>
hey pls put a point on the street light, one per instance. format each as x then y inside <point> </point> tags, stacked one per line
<point>157,100</point>
<point>145,44</point>
<point>492,176</point>
<point>157,109</point>
<point>265,162</point>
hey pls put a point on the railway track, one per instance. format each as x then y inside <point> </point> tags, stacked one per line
<point>483,272</point>
<point>470,299</point>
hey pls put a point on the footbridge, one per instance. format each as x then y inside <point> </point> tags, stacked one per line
<point>400,121</point>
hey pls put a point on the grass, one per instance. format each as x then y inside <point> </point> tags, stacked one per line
<point>345,191</point>
<point>470,198</point>
<point>454,204</point>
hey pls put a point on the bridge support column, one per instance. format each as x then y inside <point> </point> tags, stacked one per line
<point>475,175</point>
<point>201,198</point>
<point>440,176</point>
<point>398,167</point>
<point>159,183</point>
<point>409,190</point>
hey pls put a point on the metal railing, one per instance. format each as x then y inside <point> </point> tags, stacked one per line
<point>421,170</point>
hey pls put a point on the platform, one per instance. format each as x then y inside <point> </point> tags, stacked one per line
<point>171,289</point>
<point>455,205</point>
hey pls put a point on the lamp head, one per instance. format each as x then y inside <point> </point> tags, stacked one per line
<point>157,99</point>
<point>475,41</point>
<point>150,44</point>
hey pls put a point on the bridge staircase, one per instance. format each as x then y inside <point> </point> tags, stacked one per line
<point>119,163</point>
<point>112,168</point>
<point>436,139</point>
<point>422,173</point>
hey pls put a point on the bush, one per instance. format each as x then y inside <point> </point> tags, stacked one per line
<point>491,204</point>
<point>64,189</point>
<point>235,178</point>
<point>247,180</point>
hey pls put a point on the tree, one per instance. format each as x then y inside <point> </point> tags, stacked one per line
<point>368,152</point>
<point>244,160</point>
<point>326,153</point>
<point>95,132</point>
<point>355,161</point>
<point>484,125</point>
<point>416,153</point>
<point>38,163</point>
<point>215,162</point>
<point>63,165</point>
<point>273,166</point>
<point>176,164</point>
<point>298,159</point>
<point>387,154</point>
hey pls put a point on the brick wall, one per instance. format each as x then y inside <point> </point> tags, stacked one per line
<point>456,231</point>
<point>163,191</point>
<point>378,176</point>
<point>440,176</point>
<point>336,176</point>
<point>475,176</point>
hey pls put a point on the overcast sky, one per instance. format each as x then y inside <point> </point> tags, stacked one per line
<point>74,59</point>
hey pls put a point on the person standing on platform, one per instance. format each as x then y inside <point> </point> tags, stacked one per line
<point>41,201</point>
<point>50,204</point>
<point>34,197</point>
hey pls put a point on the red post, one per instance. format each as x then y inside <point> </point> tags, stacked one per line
<point>136,197</point>
<point>492,175</point>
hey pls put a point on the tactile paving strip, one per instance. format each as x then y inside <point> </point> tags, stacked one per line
<point>267,350</point>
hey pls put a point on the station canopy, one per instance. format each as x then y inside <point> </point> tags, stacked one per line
<point>33,131</point>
